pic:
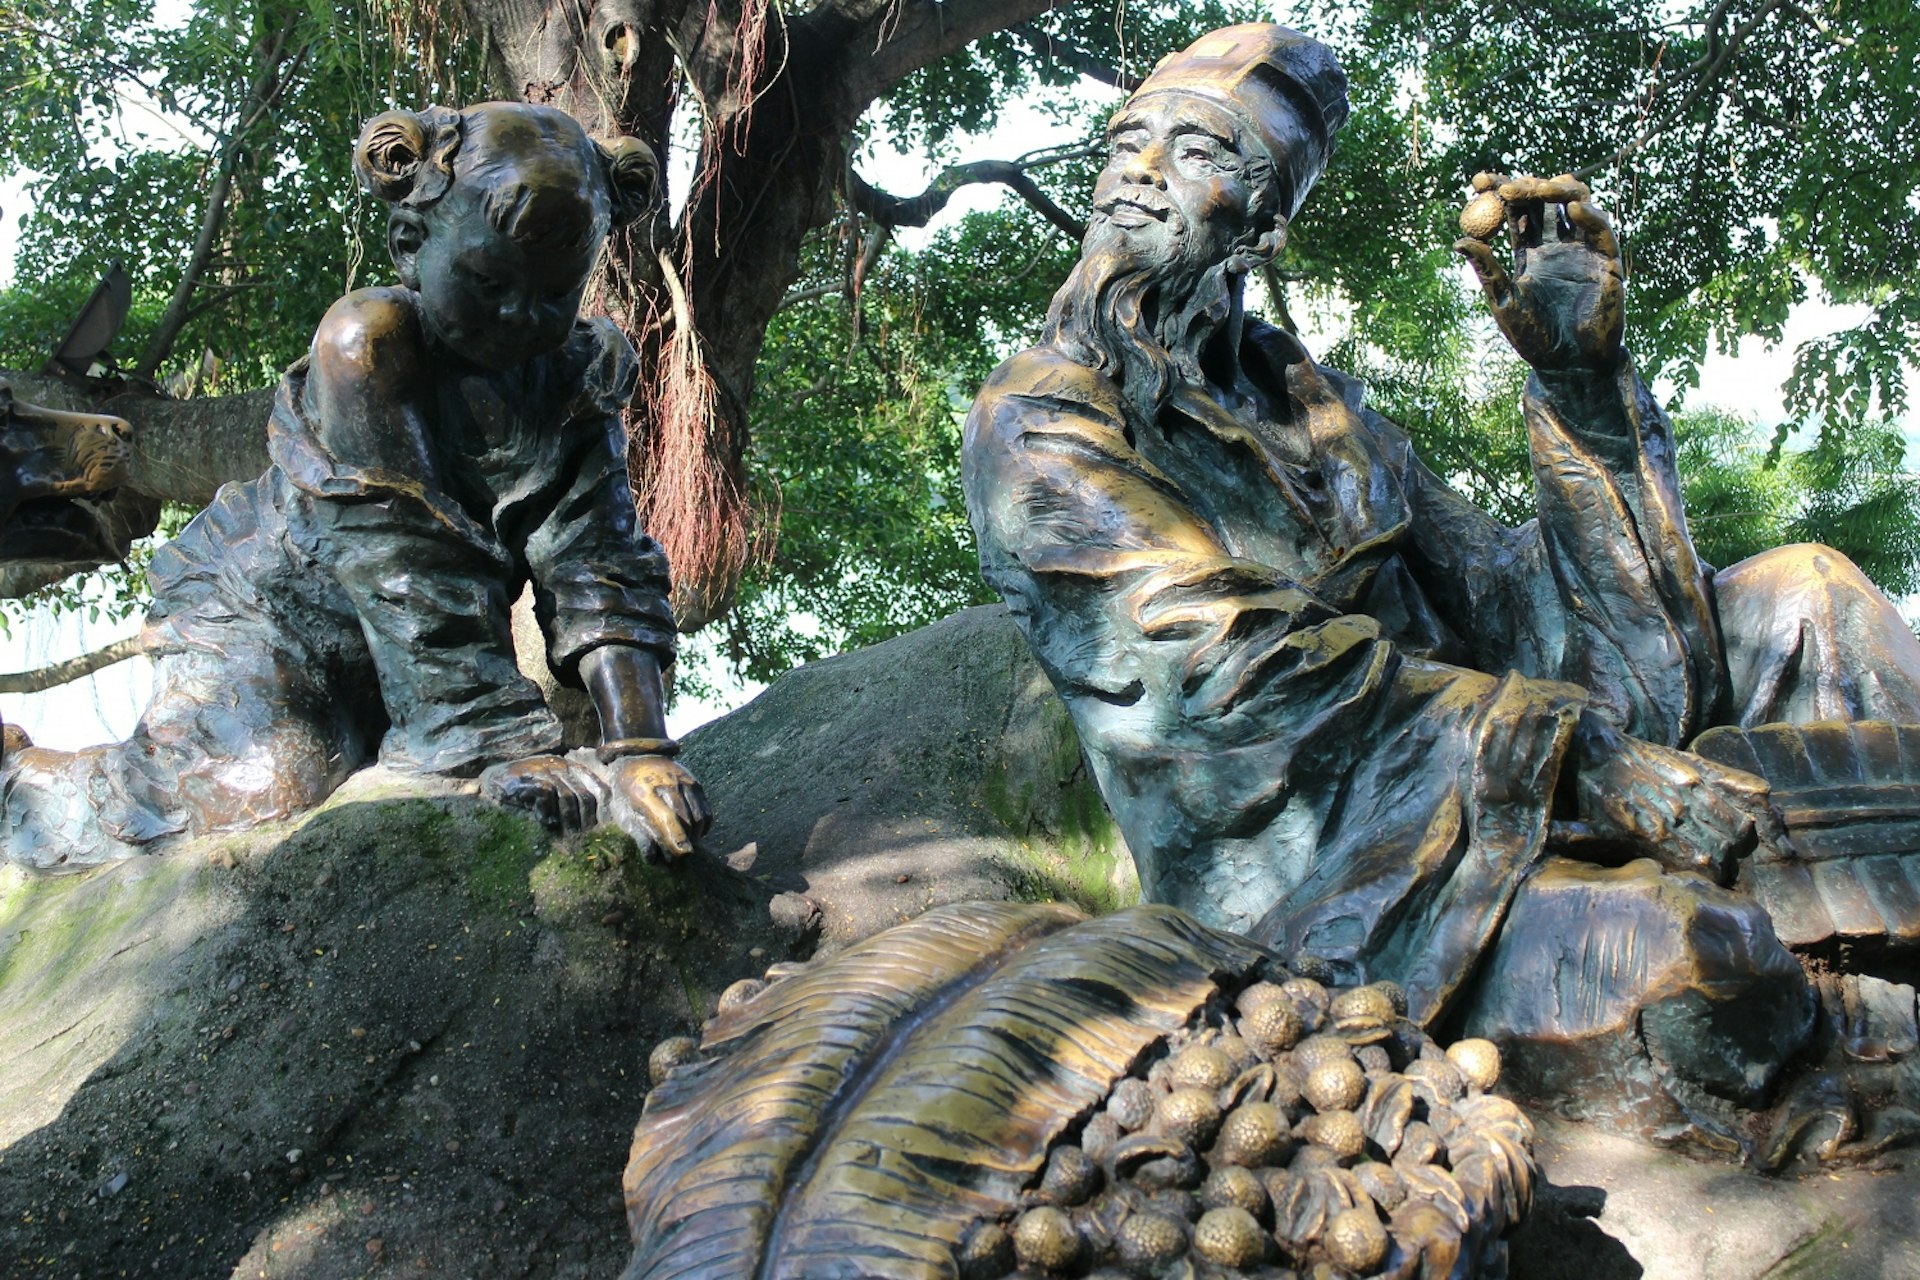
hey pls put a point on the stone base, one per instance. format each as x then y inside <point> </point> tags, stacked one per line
<point>1613,1208</point>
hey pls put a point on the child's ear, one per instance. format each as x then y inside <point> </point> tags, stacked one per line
<point>633,177</point>
<point>406,235</point>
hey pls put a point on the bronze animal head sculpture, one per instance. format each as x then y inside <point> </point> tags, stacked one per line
<point>56,469</point>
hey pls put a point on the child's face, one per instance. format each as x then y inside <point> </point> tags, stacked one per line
<point>488,298</point>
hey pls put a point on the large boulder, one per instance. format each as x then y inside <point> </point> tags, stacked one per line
<point>407,1028</point>
<point>937,767</point>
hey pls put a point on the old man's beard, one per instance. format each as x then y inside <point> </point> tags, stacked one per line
<point>1141,313</point>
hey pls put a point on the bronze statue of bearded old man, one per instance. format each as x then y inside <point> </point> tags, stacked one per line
<point>1330,701</point>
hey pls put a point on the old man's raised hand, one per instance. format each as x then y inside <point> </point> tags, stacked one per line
<point>1561,306</point>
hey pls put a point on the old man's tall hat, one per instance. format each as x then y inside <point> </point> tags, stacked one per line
<point>1287,88</point>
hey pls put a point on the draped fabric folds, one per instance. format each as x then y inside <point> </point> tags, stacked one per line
<point>1327,698</point>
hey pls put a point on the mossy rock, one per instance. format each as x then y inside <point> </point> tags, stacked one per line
<point>409,1028</point>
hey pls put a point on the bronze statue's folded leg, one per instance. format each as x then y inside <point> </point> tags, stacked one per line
<point>227,742</point>
<point>1646,997</point>
<point>1809,638</point>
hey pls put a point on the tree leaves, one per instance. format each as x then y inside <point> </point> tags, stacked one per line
<point>124,117</point>
<point>1754,154</point>
<point>1850,490</point>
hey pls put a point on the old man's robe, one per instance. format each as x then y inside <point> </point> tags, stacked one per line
<point>1327,698</point>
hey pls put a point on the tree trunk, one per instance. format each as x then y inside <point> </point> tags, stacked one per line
<point>183,450</point>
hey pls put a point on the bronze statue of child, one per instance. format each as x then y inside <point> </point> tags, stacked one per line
<point>446,441</point>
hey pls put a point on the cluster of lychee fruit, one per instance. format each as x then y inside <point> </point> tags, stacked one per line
<point>1299,1130</point>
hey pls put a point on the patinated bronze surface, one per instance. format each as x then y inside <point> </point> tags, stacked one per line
<point>446,441</point>
<point>1327,699</point>
<point>55,468</point>
<point>996,1089</point>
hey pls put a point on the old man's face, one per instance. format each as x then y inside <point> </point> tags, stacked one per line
<point>1176,189</point>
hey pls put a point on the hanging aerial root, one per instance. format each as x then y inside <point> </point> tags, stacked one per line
<point>690,502</point>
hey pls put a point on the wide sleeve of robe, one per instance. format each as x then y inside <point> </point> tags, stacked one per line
<point>1604,587</point>
<point>1275,764</point>
<point>1641,633</point>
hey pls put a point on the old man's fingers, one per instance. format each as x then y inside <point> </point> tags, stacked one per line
<point>1561,190</point>
<point>1685,812</point>
<point>1534,209</point>
<point>1494,280</point>
<point>1747,795</point>
<point>1591,223</point>
<point>1696,815</point>
<point>1561,207</point>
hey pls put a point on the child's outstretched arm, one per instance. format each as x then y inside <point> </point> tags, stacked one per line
<point>652,798</point>
<point>601,597</point>
<point>655,800</point>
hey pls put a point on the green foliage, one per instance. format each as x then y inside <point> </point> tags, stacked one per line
<point>937,107</point>
<point>1753,153</point>
<point>1859,499</point>
<point>857,413</point>
<point>125,121</point>
<point>1739,500</point>
<point>1850,490</point>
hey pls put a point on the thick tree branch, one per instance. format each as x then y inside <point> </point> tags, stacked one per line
<point>267,84</point>
<point>917,211</point>
<point>1710,66</point>
<point>1054,49</point>
<point>855,11</point>
<point>919,32</point>
<point>59,673</point>
<point>183,450</point>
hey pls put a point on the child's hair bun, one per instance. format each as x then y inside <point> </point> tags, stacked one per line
<point>633,177</point>
<point>406,157</point>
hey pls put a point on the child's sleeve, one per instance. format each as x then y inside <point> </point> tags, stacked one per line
<point>597,578</point>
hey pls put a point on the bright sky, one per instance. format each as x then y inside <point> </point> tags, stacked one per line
<point>106,707</point>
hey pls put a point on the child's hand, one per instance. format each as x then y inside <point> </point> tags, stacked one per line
<point>659,804</point>
<point>565,796</point>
